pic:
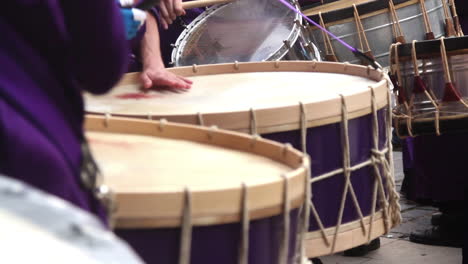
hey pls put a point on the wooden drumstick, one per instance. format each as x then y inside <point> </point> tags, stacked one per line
<point>203,3</point>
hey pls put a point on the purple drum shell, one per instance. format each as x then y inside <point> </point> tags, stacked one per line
<point>438,167</point>
<point>326,153</point>
<point>216,243</point>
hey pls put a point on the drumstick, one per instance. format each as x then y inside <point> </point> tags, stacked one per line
<point>203,3</point>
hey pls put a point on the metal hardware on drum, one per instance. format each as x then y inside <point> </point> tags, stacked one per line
<point>244,31</point>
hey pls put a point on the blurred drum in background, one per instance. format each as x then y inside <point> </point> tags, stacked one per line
<point>244,31</point>
<point>337,113</point>
<point>432,87</point>
<point>36,227</point>
<point>372,26</point>
<point>188,194</point>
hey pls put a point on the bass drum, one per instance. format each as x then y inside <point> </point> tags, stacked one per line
<point>39,228</point>
<point>244,31</point>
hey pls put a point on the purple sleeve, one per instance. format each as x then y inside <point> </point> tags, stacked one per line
<point>98,42</point>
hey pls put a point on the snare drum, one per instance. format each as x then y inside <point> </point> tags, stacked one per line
<point>244,31</point>
<point>442,106</point>
<point>36,227</point>
<point>338,113</point>
<point>374,25</point>
<point>189,194</point>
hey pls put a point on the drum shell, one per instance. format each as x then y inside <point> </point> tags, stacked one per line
<point>378,30</point>
<point>324,146</point>
<point>435,170</point>
<point>214,244</point>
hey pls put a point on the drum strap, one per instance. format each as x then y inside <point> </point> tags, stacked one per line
<point>253,122</point>
<point>449,27</point>
<point>419,86</point>
<point>329,51</point>
<point>363,42</point>
<point>427,24</point>
<point>456,20</point>
<point>450,92</point>
<point>186,229</point>
<point>303,223</point>
<point>303,127</point>
<point>284,243</point>
<point>396,27</point>
<point>244,241</point>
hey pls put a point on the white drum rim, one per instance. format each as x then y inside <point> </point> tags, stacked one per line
<point>153,212</point>
<point>349,236</point>
<point>276,55</point>
<point>286,118</point>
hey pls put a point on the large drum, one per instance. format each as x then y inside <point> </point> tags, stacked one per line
<point>244,31</point>
<point>39,228</point>
<point>432,82</point>
<point>338,113</point>
<point>373,26</point>
<point>189,194</point>
<point>432,87</point>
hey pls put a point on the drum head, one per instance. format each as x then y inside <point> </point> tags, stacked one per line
<point>39,228</point>
<point>225,95</point>
<point>152,165</point>
<point>239,31</point>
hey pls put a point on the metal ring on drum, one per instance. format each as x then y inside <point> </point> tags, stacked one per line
<point>338,113</point>
<point>448,116</point>
<point>36,227</point>
<point>191,194</point>
<point>379,25</point>
<point>244,31</point>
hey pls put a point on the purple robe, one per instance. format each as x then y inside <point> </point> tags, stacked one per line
<point>49,52</point>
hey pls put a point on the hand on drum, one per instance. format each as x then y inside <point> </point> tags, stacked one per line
<point>162,79</point>
<point>170,10</point>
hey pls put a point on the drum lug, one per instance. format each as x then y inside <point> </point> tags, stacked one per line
<point>309,47</point>
<point>287,44</point>
<point>298,22</point>
<point>171,63</point>
<point>173,45</point>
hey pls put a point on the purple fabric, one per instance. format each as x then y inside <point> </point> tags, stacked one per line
<point>324,148</point>
<point>439,171</point>
<point>169,36</point>
<point>462,11</point>
<point>48,54</point>
<point>214,244</point>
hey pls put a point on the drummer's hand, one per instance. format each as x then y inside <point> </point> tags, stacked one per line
<point>160,78</point>
<point>170,10</point>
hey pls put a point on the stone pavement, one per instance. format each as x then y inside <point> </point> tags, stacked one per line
<point>395,247</point>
